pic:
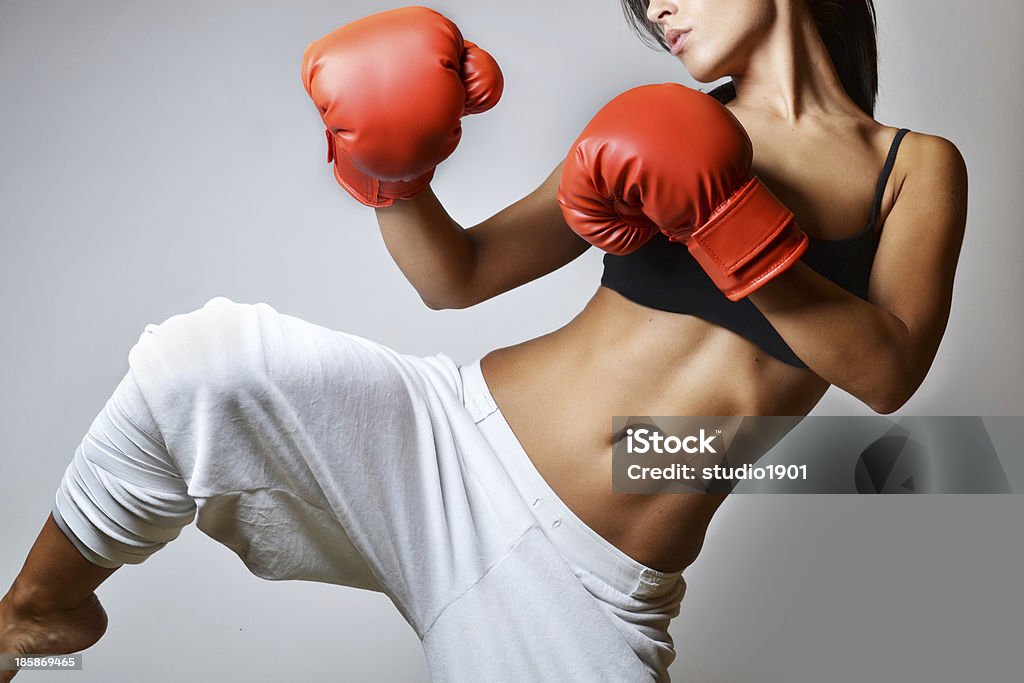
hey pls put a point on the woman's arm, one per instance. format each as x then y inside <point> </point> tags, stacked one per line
<point>453,267</point>
<point>880,350</point>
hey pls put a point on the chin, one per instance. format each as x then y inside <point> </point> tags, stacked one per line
<point>700,70</point>
<point>706,65</point>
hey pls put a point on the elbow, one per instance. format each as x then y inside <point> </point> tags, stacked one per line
<point>451,298</point>
<point>448,295</point>
<point>433,304</point>
<point>886,406</point>
<point>436,304</point>
<point>448,303</point>
<point>897,374</point>
<point>894,397</point>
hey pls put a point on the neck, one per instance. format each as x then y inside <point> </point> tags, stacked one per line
<point>790,74</point>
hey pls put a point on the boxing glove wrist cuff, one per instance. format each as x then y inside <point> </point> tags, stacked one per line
<point>368,190</point>
<point>749,240</point>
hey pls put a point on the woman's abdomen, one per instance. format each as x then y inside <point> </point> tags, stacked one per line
<point>559,393</point>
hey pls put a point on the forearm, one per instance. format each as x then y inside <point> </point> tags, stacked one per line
<point>434,252</point>
<point>851,343</point>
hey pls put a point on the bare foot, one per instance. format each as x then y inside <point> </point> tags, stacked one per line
<point>53,632</point>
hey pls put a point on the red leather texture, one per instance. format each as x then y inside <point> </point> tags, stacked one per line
<point>667,157</point>
<point>391,89</point>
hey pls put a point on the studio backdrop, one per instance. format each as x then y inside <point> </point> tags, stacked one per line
<point>154,155</point>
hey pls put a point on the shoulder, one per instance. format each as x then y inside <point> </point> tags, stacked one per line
<point>932,158</point>
<point>930,177</point>
<point>930,169</point>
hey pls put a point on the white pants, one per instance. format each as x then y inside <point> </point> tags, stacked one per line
<point>319,455</point>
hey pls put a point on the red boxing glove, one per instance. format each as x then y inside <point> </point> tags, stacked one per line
<point>668,158</point>
<point>391,89</point>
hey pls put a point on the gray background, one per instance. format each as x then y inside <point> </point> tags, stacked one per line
<point>156,154</point>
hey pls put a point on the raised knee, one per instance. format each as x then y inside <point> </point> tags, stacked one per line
<point>214,350</point>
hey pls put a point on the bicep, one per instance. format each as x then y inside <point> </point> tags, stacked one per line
<point>522,242</point>
<point>916,261</point>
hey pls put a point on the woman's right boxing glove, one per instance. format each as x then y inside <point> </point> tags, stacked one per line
<point>668,158</point>
<point>391,89</point>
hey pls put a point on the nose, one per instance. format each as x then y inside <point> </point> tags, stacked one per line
<point>657,10</point>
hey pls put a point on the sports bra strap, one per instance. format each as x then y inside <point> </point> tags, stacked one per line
<point>883,179</point>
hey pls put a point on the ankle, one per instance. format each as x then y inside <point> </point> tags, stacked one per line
<point>28,600</point>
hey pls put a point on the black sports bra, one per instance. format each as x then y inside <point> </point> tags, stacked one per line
<point>663,275</point>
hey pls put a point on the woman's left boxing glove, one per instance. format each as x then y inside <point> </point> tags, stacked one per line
<point>668,158</point>
<point>392,89</point>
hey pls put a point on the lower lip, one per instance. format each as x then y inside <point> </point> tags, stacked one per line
<point>677,46</point>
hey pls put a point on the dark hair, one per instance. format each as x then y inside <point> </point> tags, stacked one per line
<point>847,27</point>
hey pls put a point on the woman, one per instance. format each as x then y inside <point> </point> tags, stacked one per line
<point>480,499</point>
